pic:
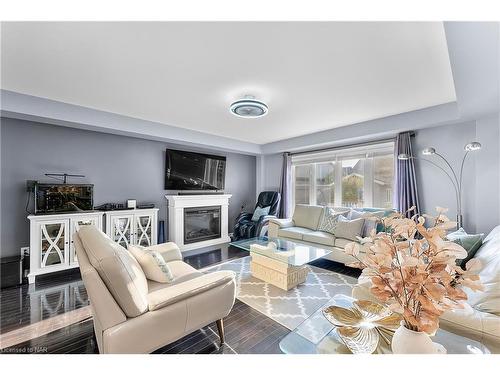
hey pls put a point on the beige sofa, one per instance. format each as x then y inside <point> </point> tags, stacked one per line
<point>303,228</point>
<point>134,315</point>
<point>480,319</point>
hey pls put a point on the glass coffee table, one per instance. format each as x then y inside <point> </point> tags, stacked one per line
<point>316,335</point>
<point>280,262</point>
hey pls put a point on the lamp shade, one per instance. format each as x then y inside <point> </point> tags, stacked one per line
<point>472,146</point>
<point>429,151</point>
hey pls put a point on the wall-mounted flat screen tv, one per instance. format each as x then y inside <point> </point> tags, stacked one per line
<point>186,170</point>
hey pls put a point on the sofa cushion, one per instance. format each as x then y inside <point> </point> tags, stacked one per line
<point>318,237</point>
<point>341,242</point>
<point>152,263</point>
<point>294,232</point>
<point>369,224</point>
<point>119,270</point>
<point>307,216</point>
<point>489,256</point>
<point>495,233</point>
<point>470,242</point>
<point>348,229</point>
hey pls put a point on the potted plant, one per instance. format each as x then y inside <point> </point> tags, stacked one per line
<point>413,270</point>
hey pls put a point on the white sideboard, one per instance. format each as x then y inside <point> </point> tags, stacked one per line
<point>51,236</point>
<point>51,241</point>
<point>133,227</point>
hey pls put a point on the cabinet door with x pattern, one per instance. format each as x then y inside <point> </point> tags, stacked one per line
<point>122,230</point>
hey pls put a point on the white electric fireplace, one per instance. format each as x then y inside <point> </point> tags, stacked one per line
<point>196,221</point>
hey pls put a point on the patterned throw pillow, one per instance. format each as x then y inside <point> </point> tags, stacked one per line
<point>470,242</point>
<point>152,263</point>
<point>329,220</point>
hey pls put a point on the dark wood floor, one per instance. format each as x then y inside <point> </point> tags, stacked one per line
<point>246,329</point>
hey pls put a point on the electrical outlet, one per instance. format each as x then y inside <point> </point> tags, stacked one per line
<point>25,251</point>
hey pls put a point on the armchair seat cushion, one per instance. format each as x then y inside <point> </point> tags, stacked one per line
<point>296,233</point>
<point>170,294</point>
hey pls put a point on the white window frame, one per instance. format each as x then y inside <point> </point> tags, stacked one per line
<point>336,156</point>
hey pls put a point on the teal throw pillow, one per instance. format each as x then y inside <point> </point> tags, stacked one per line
<point>470,242</point>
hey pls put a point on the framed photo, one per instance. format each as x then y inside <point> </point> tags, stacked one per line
<point>131,203</point>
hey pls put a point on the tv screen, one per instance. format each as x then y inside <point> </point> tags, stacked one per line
<point>186,170</point>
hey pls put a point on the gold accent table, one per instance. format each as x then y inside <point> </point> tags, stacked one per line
<point>279,262</point>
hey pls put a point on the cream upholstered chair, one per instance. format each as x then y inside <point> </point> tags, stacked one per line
<point>135,315</point>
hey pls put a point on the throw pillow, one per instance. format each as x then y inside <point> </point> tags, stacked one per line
<point>329,219</point>
<point>152,263</point>
<point>260,211</point>
<point>369,224</point>
<point>470,242</point>
<point>348,229</point>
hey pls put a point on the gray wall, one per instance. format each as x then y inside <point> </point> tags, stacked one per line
<point>481,197</point>
<point>120,167</point>
<point>434,187</point>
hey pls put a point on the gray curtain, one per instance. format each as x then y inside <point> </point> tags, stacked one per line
<point>405,181</point>
<point>286,186</point>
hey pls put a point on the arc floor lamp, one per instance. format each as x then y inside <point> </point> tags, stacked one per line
<point>454,177</point>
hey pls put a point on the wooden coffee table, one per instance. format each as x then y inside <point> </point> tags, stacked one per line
<point>282,263</point>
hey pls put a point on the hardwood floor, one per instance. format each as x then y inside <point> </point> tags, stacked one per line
<point>246,329</point>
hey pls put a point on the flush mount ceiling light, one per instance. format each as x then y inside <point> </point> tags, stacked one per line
<point>249,107</point>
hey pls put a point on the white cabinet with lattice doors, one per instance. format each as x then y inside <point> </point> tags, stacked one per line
<point>51,241</point>
<point>132,227</point>
<point>76,223</point>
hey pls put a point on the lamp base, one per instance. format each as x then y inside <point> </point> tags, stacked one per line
<point>459,221</point>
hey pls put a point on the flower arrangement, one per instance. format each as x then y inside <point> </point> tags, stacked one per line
<point>412,268</point>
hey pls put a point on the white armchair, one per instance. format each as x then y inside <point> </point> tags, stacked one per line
<point>135,315</point>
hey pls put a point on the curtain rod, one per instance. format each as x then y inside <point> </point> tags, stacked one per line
<point>412,134</point>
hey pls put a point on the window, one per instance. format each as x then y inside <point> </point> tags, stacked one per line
<point>350,177</point>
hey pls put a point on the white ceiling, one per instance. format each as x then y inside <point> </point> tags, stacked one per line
<point>313,76</point>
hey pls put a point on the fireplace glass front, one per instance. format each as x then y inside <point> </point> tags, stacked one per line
<point>201,224</point>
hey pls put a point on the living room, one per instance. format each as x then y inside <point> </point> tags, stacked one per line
<point>258,187</point>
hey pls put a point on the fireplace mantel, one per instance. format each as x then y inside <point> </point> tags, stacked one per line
<point>175,213</point>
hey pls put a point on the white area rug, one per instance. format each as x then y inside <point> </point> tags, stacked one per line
<point>289,308</point>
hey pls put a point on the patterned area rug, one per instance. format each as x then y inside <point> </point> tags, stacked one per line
<point>289,308</point>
